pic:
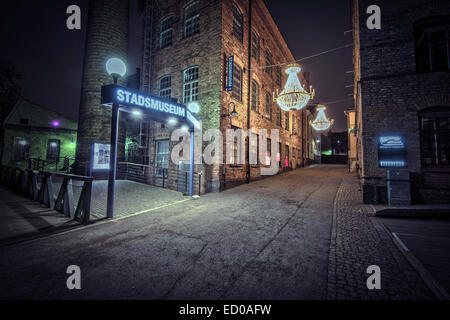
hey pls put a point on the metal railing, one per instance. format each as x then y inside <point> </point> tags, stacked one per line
<point>61,164</point>
<point>173,179</point>
<point>40,186</point>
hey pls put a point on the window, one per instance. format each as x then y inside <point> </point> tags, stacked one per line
<point>279,117</point>
<point>165,87</point>
<point>53,148</point>
<point>435,137</point>
<point>238,22</point>
<point>162,157</point>
<point>190,84</point>
<point>191,19</point>
<point>286,120</point>
<point>166,31</point>
<point>236,148</point>
<point>255,45</point>
<point>432,37</point>
<point>255,92</point>
<point>279,76</point>
<point>293,124</point>
<point>254,149</point>
<point>268,106</point>
<point>21,149</point>
<point>268,62</point>
<point>24,121</point>
<point>286,156</point>
<point>237,83</point>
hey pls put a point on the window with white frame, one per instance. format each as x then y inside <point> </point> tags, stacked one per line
<point>161,157</point>
<point>191,19</point>
<point>165,87</point>
<point>166,31</point>
<point>238,22</point>
<point>190,84</point>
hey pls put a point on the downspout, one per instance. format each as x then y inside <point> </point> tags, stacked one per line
<point>249,86</point>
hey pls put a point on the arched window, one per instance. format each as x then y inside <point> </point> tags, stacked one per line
<point>191,19</point>
<point>435,137</point>
<point>166,31</point>
<point>165,87</point>
<point>432,37</point>
<point>190,84</point>
<point>238,23</point>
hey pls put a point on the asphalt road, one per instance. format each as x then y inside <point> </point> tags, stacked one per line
<point>266,240</point>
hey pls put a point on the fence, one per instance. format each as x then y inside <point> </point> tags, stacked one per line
<point>59,164</point>
<point>42,186</point>
<point>174,179</point>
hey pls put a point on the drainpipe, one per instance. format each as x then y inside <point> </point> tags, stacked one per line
<point>249,86</point>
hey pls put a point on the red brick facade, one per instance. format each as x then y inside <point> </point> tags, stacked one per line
<point>209,49</point>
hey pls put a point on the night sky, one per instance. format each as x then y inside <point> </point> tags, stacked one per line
<point>49,57</point>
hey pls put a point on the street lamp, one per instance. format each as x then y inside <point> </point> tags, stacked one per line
<point>116,68</point>
<point>233,113</point>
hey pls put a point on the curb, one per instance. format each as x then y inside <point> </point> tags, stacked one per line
<point>439,292</point>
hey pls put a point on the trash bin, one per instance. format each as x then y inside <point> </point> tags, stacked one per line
<point>399,187</point>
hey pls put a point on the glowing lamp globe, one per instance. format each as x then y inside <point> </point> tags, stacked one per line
<point>116,67</point>
<point>293,96</point>
<point>56,124</point>
<point>193,107</point>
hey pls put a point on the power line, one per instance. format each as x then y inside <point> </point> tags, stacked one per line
<point>337,101</point>
<point>309,57</point>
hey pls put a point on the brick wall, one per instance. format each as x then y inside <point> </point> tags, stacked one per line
<point>107,36</point>
<point>209,50</point>
<point>391,94</point>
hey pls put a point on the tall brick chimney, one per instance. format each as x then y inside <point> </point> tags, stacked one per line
<point>107,36</point>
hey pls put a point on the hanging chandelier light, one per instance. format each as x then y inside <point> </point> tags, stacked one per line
<point>293,96</point>
<point>321,123</point>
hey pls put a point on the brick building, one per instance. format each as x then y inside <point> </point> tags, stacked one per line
<point>402,92</point>
<point>38,137</point>
<point>185,52</point>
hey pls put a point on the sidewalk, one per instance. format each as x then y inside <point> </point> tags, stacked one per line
<point>358,241</point>
<point>21,218</point>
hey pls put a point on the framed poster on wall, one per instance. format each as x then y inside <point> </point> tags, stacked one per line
<point>100,156</point>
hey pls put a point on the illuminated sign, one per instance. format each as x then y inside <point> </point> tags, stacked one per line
<point>138,100</point>
<point>230,73</point>
<point>159,109</point>
<point>101,156</point>
<point>391,142</point>
<point>391,151</point>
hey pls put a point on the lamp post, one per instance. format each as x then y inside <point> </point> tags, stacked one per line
<point>117,69</point>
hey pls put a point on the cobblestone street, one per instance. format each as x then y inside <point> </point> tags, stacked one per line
<point>359,240</point>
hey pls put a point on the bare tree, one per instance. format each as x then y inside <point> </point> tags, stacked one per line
<point>9,88</point>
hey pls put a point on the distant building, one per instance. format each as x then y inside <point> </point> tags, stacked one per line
<point>402,97</point>
<point>351,131</point>
<point>37,134</point>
